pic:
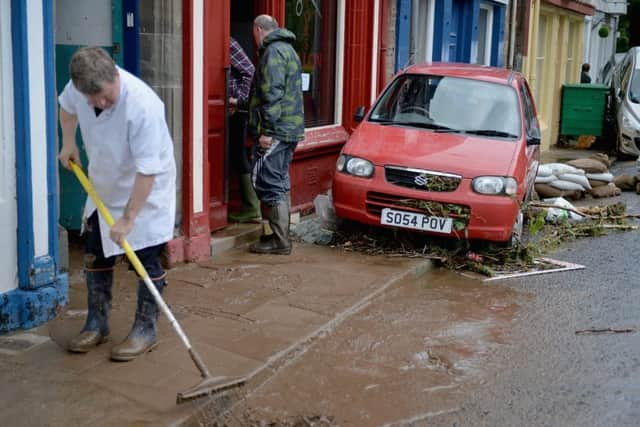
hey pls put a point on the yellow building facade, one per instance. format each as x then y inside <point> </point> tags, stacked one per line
<point>555,44</point>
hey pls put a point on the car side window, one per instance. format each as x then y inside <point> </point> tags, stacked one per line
<point>531,121</point>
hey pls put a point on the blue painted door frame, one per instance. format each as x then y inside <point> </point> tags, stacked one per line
<point>42,288</point>
<point>455,29</point>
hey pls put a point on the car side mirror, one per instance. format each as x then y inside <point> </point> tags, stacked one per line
<point>533,137</point>
<point>358,116</point>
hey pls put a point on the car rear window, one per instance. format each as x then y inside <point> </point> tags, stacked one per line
<point>452,103</point>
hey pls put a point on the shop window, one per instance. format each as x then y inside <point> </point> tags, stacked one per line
<point>570,62</point>
<point>422,31</point>
<point>485,31</point>
<point>314,23</point>
<point>542,30</point>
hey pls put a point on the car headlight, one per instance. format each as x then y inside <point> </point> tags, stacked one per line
<point>496,185</point>
<point>354,166</point>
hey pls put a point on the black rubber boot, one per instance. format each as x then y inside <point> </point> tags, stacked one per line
<point>96,327</point>
<point>143,336</point>
<point>279,243</point>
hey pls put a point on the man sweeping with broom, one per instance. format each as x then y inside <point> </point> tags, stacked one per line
<point>132,166</point>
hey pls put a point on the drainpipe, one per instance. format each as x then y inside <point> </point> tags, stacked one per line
<point>512,32</point>
<point>587,41</point>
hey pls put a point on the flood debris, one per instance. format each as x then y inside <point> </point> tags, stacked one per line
<point>543,233</point>
<point>606,331</point>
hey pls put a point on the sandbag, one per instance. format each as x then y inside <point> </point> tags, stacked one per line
<point>578,179</point>
<point>596,183</point>
<point>545,191</point>
<point>606,176</point>
<point>560,168</point>
<point>566,185</point>
<point>589,165</point>
<point>601,157</point>
<point>608,190</point>
<point>625,182</point>
<point>545,179</point>
<point>544,170</point>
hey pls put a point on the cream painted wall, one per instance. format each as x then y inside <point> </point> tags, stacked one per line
<point>556,42</point>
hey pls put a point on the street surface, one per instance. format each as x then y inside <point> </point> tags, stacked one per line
<point>447,350</point>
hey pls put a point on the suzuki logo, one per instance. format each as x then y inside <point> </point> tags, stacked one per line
<point>421,180</point>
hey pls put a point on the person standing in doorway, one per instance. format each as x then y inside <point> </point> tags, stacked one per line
<point>132,167</point>
<point>584,75</point>
<point>241,75</point>
<point>276,119</point>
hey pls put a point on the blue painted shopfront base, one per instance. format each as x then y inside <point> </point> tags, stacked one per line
<point>25,309</point>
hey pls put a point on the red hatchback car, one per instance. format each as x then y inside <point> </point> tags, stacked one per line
<point>447,149</point>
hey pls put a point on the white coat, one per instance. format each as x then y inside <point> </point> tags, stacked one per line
<point>129,137</point>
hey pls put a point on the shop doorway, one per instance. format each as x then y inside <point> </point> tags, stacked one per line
<point>144,38</point>
<point>239,144</point>
<point>78,24</point>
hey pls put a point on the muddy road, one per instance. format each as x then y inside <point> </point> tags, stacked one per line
<point>447,350</point>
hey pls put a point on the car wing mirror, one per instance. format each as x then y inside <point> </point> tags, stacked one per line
<point>358,116</point>
<point>533,137</point>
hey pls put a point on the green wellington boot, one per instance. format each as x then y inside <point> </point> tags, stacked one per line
<point>250,211</point>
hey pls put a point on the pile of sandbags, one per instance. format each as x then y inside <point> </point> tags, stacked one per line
<point>573,179</point>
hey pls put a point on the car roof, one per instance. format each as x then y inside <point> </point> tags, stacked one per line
<point>473,71</point>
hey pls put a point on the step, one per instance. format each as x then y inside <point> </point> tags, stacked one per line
<point>234,236</point>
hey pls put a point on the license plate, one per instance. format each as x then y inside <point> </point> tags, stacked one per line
<point>415,221</point>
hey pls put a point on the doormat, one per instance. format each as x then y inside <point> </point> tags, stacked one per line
<point>540,266</point>
<point>15,344</point>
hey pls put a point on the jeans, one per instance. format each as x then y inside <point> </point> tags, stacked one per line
<point>270,175</point>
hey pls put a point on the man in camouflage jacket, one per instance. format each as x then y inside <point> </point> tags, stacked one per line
<point>276,119</point>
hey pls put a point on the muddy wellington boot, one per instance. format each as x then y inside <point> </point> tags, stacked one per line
<point>250,211</point>
<point>96,327</point>
<point>143,337</point>
<point>278,216</point>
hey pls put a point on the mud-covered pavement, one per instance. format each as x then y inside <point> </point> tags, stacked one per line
<point>413,354</point>
<point>447,350</point>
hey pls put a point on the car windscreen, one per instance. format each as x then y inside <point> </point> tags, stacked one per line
<point>634,87</point>
<point>450,104</point>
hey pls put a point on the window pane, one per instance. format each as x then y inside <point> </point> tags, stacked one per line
<point>314,24</point>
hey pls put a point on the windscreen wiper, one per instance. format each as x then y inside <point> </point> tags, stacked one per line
<point>490,132</point>
<point>433,126</point>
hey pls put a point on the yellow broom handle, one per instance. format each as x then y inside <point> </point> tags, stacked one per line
<point>86,184</point>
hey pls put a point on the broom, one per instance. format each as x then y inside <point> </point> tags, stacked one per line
<point>209,384</point>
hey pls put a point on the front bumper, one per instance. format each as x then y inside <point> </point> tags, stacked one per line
<point>485,217</point>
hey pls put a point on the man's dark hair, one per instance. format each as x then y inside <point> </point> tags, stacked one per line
<point>586,67</point>
<point>90,68</point>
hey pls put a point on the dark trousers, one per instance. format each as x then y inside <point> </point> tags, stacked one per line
<point>94,255</point>
<point>237,150</point>
<point>270,173</point>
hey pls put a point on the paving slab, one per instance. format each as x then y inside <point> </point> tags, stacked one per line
<point>246,314</point>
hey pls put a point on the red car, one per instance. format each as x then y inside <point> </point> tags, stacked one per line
<point>447,149</point>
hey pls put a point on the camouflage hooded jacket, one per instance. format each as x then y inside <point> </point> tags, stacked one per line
<point>276,107</point>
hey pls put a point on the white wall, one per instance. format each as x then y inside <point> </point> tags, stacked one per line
<point>38,127</point>
<point>8,207</point>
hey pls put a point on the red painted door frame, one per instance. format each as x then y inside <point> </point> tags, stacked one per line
<point>194,243</point>
<point>312,168</point>
<point>217,30</point>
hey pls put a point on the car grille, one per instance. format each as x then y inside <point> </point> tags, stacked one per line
<point>421,179</point>
<point>377,201</point>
